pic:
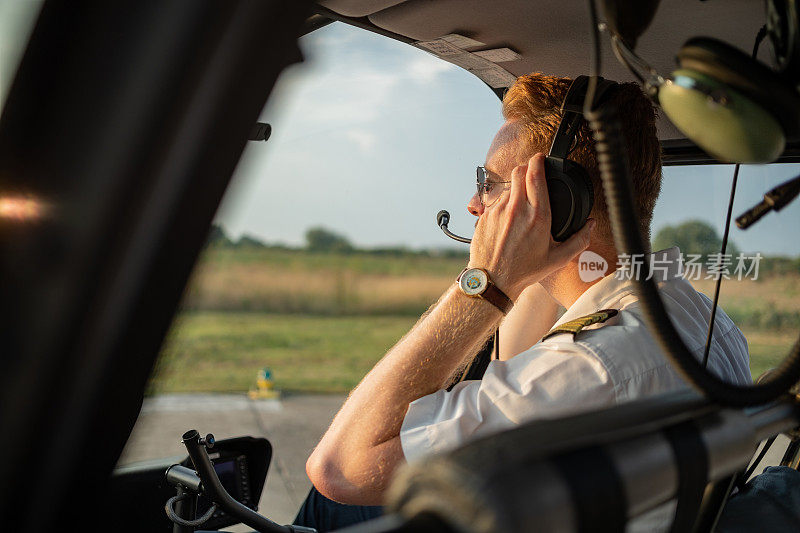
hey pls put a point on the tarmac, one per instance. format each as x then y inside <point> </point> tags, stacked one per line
<point>292,424</point>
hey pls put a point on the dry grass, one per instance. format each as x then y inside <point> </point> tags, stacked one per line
<point>320,321</point>
<point>332,289</point>
<point>778,292</point>
<point>771,304</point>
<point>296,282</point>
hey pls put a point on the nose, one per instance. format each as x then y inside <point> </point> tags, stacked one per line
<point>474,206</point>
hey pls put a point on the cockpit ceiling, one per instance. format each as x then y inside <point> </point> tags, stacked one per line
<point>552,36</point>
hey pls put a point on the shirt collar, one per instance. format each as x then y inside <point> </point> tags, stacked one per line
<point>665,265</point>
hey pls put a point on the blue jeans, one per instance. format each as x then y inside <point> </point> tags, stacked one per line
<point>769,502</point>
<point>326,515</point>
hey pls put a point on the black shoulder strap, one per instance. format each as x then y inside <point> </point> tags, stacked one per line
<point>691,459</point>
<point>597,490</point>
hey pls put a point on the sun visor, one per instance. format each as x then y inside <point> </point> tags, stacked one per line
<point>552,36</point>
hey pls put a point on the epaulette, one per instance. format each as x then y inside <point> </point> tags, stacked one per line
<point>575,326</point>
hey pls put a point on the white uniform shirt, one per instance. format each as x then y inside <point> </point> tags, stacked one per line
<point>605,364</point>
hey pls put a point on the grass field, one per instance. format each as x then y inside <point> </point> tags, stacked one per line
<point>767,348</point>
<point>320,321</point>
<point>220,352</point>
<point>768,304</point>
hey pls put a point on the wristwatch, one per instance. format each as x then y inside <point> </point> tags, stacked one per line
<point>475,282</point>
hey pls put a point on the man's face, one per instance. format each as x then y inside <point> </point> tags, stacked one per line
<point>500,160</point>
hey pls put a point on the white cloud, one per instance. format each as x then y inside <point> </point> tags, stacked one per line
<point>426,69</point>
<point>364,90</point>
<point>330,39</point>
<point>358,102</point>
<point>356,92</point>
<point>365,140</point>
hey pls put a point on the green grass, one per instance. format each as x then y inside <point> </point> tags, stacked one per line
<point>320,321</point>
<point>767,348</point>
<point>223,352</point>
<point>219,352</point>
<point>770,304</point>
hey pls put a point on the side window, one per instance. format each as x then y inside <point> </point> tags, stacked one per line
<point>17,18</point>
<point>325,251</point>
<point>762,264</point>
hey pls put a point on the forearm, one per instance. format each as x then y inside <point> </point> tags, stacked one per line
<point>534,314</point>
<point>360,450</point>
<point>512,241</point>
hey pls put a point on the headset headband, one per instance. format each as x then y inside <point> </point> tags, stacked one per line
<point>572,113</point>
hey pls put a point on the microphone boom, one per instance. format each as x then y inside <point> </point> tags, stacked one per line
<point>442,220</point>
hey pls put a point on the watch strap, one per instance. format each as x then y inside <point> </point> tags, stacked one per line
<point>498,298</point>
<point>492,294</point>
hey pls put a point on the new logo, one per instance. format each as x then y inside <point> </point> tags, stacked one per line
<point>591,266</point>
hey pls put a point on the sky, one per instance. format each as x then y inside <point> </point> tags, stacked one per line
<point>16,22</point>
<point>371,138</point>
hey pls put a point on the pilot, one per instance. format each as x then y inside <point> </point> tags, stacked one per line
<point>598,353</point>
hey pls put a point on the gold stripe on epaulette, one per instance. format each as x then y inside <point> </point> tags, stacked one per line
<point>575,326</point>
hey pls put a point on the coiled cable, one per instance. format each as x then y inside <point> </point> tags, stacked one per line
<point>612,161</point>
<point>613,165</point>
<point>172,515</point>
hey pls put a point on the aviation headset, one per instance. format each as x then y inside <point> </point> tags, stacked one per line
<point>568,183</point>
<point>734,107</point>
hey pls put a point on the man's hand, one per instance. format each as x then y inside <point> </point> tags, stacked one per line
<point>512,239</point>
<point>356,457</point>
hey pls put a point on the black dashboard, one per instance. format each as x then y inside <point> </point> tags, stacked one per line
<point>140,489</point>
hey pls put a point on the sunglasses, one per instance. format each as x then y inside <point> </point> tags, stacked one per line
<point>490,186</point>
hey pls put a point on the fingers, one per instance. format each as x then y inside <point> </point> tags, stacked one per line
<point>518,185</point>
<point>575,244</point>
<point>536,186</point>
<point>528,183</point>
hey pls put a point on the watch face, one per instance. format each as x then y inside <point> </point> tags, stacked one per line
<point>473,281</point>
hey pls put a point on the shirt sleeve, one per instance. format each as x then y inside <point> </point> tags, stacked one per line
<point>550,380</point>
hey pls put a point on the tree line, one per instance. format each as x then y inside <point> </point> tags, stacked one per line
<point>699,237</point>
<point>321,240</point>
<point>691,236</point>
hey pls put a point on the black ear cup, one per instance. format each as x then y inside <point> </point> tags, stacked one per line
<point>571,196</point>
<point>568,183</point>
<point>783,29</point>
